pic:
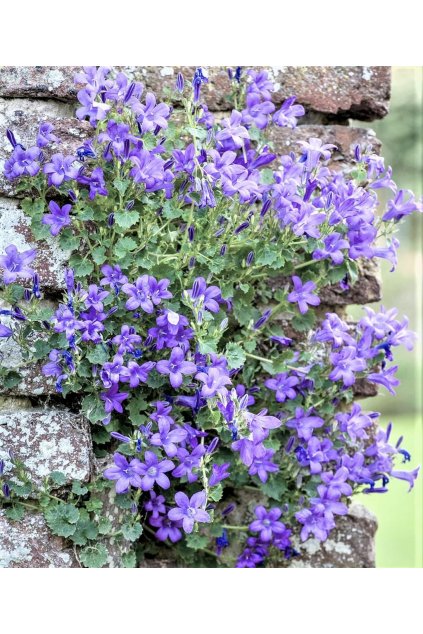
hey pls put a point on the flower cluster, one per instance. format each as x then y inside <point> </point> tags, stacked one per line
<point>187,240</point>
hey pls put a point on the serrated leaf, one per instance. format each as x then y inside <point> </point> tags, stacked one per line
<point>78,488</point>
<point>58,478</point>
<point>98,355</point>
<point>15,512</point>
<point>216,493</point>
<point>62,519</point>
<point>121,184</point>
<point>129,560</point>
<point>235,355</point>
<point>196,541</point>
<point>104,526</point>
<point>99,255</point>
<point>132,531</point>
<point>305,322</point>
<point>81,267</point>
<point>171,210</point>
<point>125,219</point>
<point>94,556</point>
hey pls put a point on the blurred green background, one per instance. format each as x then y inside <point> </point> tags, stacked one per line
<point>399,540</point>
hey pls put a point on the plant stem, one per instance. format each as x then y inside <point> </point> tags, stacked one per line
<point>235,528</point>
<point>254,356</point>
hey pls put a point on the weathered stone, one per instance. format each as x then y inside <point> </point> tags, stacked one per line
<point>24,116</point>
<point>44,82</point>
<point>116,546</point>
<point>343,137</point>
<point>366,290</point>
<point>29,544</point>
<point>361,92</point>
<point>45,441</point>
<point>350,545</point>
<point>15,228</point>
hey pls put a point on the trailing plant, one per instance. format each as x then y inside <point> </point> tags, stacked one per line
<point>191,330</point>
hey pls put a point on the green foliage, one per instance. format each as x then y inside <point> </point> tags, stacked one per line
<point>62,519</point>
<point>94,556</point>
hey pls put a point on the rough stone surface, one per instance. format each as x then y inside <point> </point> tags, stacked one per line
<point>24,116</point>
<point>361,92</point>
<point>15,228</point>
<point>345,138</point>
<point>47,440</point>
<point>29,544</point>
<point>366,290</point>
<point>350,544</point>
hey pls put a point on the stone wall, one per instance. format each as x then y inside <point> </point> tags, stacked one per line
<point>47,437</point>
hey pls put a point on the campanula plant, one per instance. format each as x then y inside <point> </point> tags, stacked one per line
<point>190,331</point>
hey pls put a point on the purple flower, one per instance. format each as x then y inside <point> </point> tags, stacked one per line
<point>45,135</point>
<point>198,79</point>
<point>267,523</point>
<point>94,297</point>
<point>288,113</point>
<point>126,475</point>
<point>146,293</point>
<point>386,378</point>
<point>408,476</point>
<point>314,149</point>
<point>155,505</point>
<point>219,473</point>
<point>262,464</point>
<point>257,111</point>
<point>403,204</point>
<point>113,399</point>
<point>316,522</point>
<point>203,296</point>
<point>355,422</point>
<point>22,162</point>
<point>53,367</point>
<point>189,510</point>
<point>150,116</point>
<point>135,374</point>
<point>189,462</point>
<point>346,363</point>
<point>303,294</point>
<point>148,169</point>
<point>336,484</point>
<point>304,424</point>
<point>58,218</point>
<point>61,169</point>
<point>168,529</point>
<point>333,245</point>
<point>168,438</point>
<point>176,367</point>
<point>153,471</point>
<point>283,385</point>
<point>95,182</point>
<point>127,339</point>
<point>233,132</point>
<point>214,381</point>
<point>5,331</point>
<point>335,331</point>
<point>16,264</point>
<point>113,276</point>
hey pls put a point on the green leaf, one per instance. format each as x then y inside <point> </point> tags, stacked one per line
<point>11,379</point>
<point>62,519</point>
<point>78,488</point>
<point>94,505</point>
<point>275,487</point>
<point>86,213</point>
<point>99,255</point>
<point>216,493</point>
<point>93,408</point>
<point>81,267</point>
<point>126,219</point>
<point>58,478</point>
<point>171,210</point>
<point>98,355</point>
<point>235,355</point>
<point>121,184</point>
<point>94,556</point>
<point>132,531</point>
<point>129,560</point>
<point>15,512</point>
<point>135,406</point>
<point>67,241</point>
<point>104,526</point>
<point>196,541</point>
<point>305,322</point>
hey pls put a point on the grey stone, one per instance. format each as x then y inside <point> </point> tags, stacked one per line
<point>28,543</point>
<point>47,440</point>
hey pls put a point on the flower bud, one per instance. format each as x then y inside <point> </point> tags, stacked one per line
<point>180,82</point>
